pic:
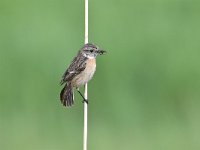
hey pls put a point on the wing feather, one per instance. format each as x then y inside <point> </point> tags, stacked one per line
<point>77,65</point>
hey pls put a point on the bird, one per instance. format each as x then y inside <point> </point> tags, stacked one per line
<point>79,72</point>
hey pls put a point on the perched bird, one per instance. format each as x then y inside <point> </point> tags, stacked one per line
<point>79,72</point>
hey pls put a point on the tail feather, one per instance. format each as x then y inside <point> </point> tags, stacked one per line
<point>66,95</point>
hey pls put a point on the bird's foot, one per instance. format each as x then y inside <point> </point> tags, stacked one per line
<point>86,101</point>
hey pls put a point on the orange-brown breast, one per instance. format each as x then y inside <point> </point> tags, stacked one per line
<point>86,74</point>
<point>91,63</point>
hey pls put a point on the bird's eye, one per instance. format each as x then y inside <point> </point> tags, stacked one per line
<point>91,50</point>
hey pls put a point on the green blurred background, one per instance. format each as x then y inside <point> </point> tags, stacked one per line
<point>145,94</point>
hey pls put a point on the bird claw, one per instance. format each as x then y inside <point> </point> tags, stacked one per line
<point>86,101</point>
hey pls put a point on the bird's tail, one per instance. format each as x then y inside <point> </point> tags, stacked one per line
<point>66,95</point>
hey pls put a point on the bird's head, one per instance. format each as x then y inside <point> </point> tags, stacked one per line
<point>91,50</point>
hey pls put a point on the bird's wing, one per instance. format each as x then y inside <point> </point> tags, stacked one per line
<point>77,65</point>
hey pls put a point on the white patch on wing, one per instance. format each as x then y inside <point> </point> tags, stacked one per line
<point>72,72</point>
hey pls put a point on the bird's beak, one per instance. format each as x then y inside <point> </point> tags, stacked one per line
<point>101,52</point>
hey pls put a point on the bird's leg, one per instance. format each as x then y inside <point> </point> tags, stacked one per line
<point>84,100</point>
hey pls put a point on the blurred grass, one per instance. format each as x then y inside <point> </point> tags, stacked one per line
<point>144,95</point>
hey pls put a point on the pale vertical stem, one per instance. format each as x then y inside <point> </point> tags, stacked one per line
<point>86,21</point>
<point>86,89</point>
<point>85,120</point>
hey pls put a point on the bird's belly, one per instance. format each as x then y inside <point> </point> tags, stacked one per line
<point>86,74</point>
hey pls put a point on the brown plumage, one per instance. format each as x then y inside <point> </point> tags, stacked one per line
<point>79,72</point>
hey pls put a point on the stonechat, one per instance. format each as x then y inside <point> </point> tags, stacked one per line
<point>79,72</point>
